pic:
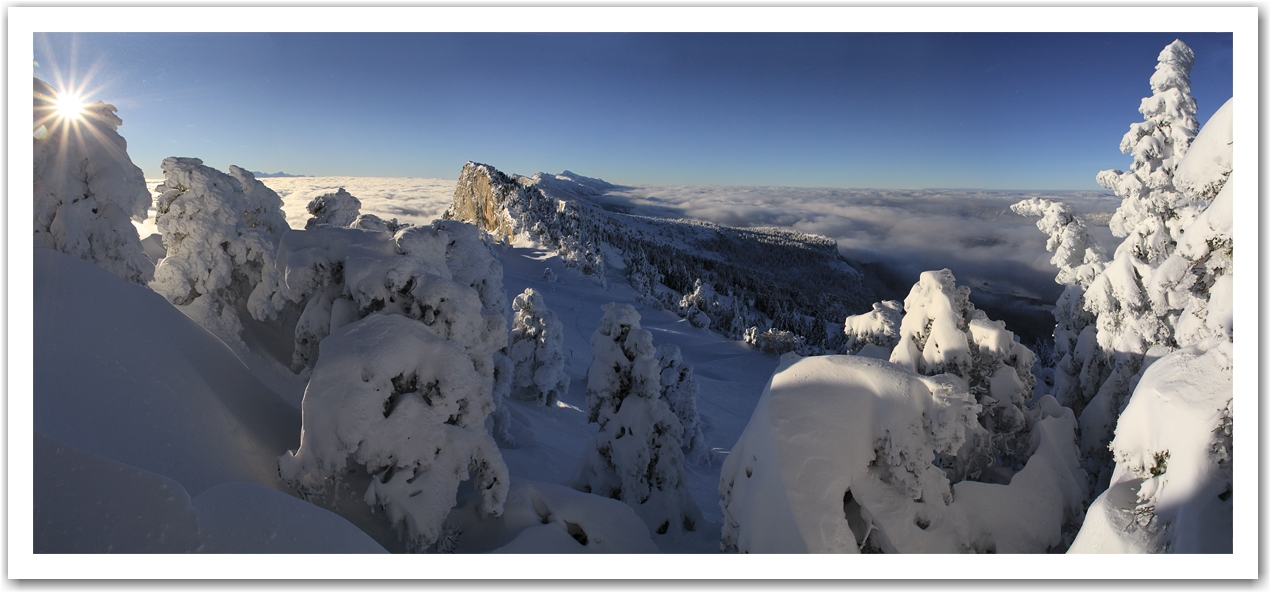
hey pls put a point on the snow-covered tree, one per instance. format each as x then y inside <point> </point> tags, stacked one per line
<point>679,389</point>
<point>86,188</point>
<point>393,396</point>
<point>637,456</point>
<point>879,327</point>
<point>1117,317</point>
<point>774,341</point>
<point>220,232</point>
<point>1079,260</point>
<point>339,209</point>
<point>942,332</point>
<point>537,350</point>
<point>694,304</point>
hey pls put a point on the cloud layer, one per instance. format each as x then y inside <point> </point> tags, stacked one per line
<point>895,234</point>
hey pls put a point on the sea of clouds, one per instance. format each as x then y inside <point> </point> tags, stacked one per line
<point>894,234</point>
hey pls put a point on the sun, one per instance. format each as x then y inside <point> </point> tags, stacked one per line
<point>69,106</point>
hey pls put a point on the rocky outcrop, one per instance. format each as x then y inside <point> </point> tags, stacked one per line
<point>729,279</point>
<point>481,198</point>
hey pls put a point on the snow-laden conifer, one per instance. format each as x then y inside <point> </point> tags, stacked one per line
<point>679,389</point>
<point>1079,260</point>
<point>220,232</point>
<point>942,332</point>
<point>405,404</point>
<point>637,455</point>
<point>86,188</point>
<point>879,327</point>
<point>537,350</point>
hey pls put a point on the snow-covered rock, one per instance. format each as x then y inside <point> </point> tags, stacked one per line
<point>339,209</point>
<point>86,189</point>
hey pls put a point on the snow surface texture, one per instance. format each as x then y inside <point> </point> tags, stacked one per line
<point>548,518</point>
<point>839,457</point>
<point>86,188</point>
<point>637,456</point>
<point>133,456</point>
<point>536,350</point>
<point>406,404</point>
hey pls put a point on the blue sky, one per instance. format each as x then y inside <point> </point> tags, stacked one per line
<point>902,111</point>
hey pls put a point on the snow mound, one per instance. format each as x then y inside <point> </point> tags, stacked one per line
<point>120,373</point>
<point>1172,484</point>
<point>88,504</point>
<point>548,518</point>
<point>839,457</point>
<point>1208,161</point>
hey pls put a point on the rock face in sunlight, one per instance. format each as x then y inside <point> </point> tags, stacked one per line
<point>840,456</point>
<point>727,279</point>
<point>87,188</point>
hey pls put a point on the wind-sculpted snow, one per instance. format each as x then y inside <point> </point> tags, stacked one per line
<point>86,188</point>
<point>839,456</point>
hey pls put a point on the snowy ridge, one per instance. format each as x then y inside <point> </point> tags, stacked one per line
<point>732,280</point>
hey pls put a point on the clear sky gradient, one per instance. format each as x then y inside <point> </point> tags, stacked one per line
<point>902,111</point>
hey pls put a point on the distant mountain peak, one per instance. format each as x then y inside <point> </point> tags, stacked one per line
<point>260,175</point>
